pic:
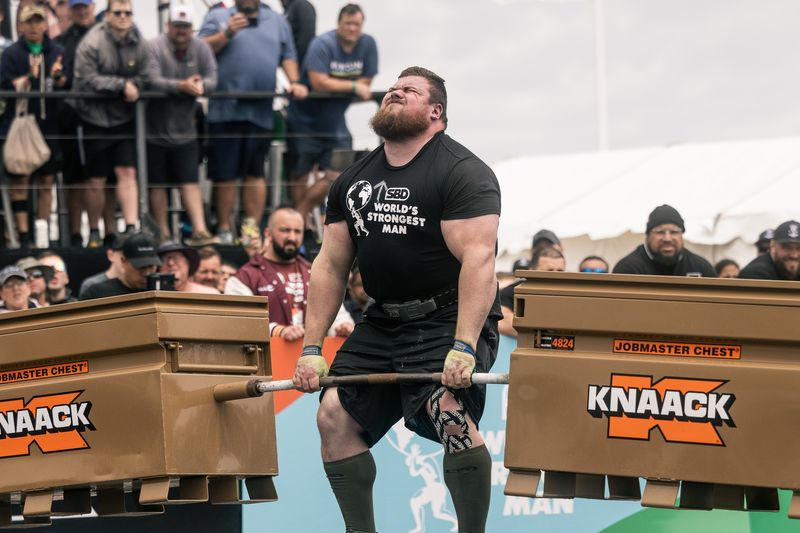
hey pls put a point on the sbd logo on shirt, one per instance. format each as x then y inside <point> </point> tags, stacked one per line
<point>685,410</point>
<point>55,422</point>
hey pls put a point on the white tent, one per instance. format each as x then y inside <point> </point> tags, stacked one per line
<point>598,203</point>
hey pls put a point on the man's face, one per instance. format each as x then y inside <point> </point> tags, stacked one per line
<point>60,277</point>
<point>36,281</point>
<point>83,15</point>
<point>285,234</point>
<point>786,256</point>
<point>179,33</point>
<point>225,273</point>
<point>120,16</point>
<point>176,263</point>
<point>16,293</point>
<point>349,29</point>
<point>248,7</point>
<point>406,110</point>
<point>135,278</point>
<point>665,242</point>
<point>551,264</point>
<point>209,272</point>
<point>61,9</point>
<point>33,29</point>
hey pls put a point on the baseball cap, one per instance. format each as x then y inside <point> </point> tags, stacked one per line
<point>30,265</point>
<point>30,11</point>
<point>140,251</point>
<point>765,236</point>
<point>181,14</point>
<point>545,234</point>
<point>789,231</point>
<point>73,3</point>
<point>12,272</point>
<point>664,214</point>
<point>188,252</point>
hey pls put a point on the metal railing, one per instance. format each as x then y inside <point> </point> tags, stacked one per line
<point>276,150</point>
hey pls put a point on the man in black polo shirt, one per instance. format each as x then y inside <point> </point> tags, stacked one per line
<point>139,259</point>
<point>662,253</point>
<point>783,259</point>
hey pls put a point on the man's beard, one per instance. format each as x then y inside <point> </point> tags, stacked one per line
<point>785,273</point>
<point>286,255</point>
<point>398,126</point>
<point>666,260</point>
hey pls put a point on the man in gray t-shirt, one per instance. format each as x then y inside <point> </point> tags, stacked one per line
<point>184,66</point>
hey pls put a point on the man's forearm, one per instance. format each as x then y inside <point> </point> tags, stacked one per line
<point>325,295</point>
<point>477,287</point>
<point>217,41</point>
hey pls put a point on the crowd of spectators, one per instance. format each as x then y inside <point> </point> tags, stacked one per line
<point>239,48</point>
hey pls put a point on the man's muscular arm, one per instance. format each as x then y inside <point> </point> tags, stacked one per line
<point>329,275</point>
<point>472,241</point>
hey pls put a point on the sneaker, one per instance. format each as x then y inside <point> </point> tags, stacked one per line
<point>204,238</point>
<point>225,236</point>
<point>94,242</point>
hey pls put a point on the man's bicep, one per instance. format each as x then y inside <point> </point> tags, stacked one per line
<point>337,250</point>
<point>476,234</point>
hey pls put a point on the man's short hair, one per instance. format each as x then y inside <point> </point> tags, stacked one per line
<point>437,88</point>
<point>549,251</point>
<point>112,2</point>
<point>207,252</point>
<point>350,9</point>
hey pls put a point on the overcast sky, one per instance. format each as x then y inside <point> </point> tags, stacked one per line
<point>521,73</point>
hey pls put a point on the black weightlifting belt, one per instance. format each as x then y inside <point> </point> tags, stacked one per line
<point>416,309</point>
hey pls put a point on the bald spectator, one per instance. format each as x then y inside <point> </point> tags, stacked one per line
<point>210,270</point>
<point>15,291</point>
<point>663,253</point>
<point>764,238</point>
<point>182,261</point>
<point>548,259</point>
<point>593,263</point>
<point>58,291</point>
<point>727,268</point>
<point>783,260</point>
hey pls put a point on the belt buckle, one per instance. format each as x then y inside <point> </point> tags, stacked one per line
<point>408,311</point>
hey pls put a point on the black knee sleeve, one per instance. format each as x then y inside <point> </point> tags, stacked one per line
<point>351,480</point>
<point>467,475</point>
<point>19,206</point>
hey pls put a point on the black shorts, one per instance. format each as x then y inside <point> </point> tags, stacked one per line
<point>381,346</point>
<point>107,148</point>
<point>73,157</point>
<point>236,149</point>
<point>172,165</point>
<point>306,150</point>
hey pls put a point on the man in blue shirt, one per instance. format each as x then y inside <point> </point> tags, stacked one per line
<point>250,41</point>
<point>344,61</point>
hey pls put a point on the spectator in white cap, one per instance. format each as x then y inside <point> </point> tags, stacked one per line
<point>184,66</point>
<point>16,292</point>
<point>783,260</point>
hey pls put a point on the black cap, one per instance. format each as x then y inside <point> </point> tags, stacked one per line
<point>118,241</point>
<point>789,231</point>
<point>545,234</point>
<point>765,236</point>
<point>140,251</point>
<point>188,252</point>
<point>12,272</point>
<point>664,214</point>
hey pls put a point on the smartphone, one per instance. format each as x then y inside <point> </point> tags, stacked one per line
<point>161,281</point>
<point>252,22</point>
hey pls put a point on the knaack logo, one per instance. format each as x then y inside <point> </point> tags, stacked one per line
<point>55,422</point>
<point>684,410</point>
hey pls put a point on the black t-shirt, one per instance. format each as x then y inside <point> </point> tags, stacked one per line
<point>109,287</point>
<point>762,267</point>
<point>638,262</point>
<point>394,214</point>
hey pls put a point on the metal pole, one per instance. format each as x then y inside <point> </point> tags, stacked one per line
<point>141,157</point>
<point>276,151</point>
<point>601,81</point>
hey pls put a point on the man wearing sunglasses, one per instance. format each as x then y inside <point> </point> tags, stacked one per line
<point>39,276</point>
<point>111,59</point>
<point>663,253</point>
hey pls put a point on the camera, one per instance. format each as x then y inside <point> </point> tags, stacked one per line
<point>161,281</point>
